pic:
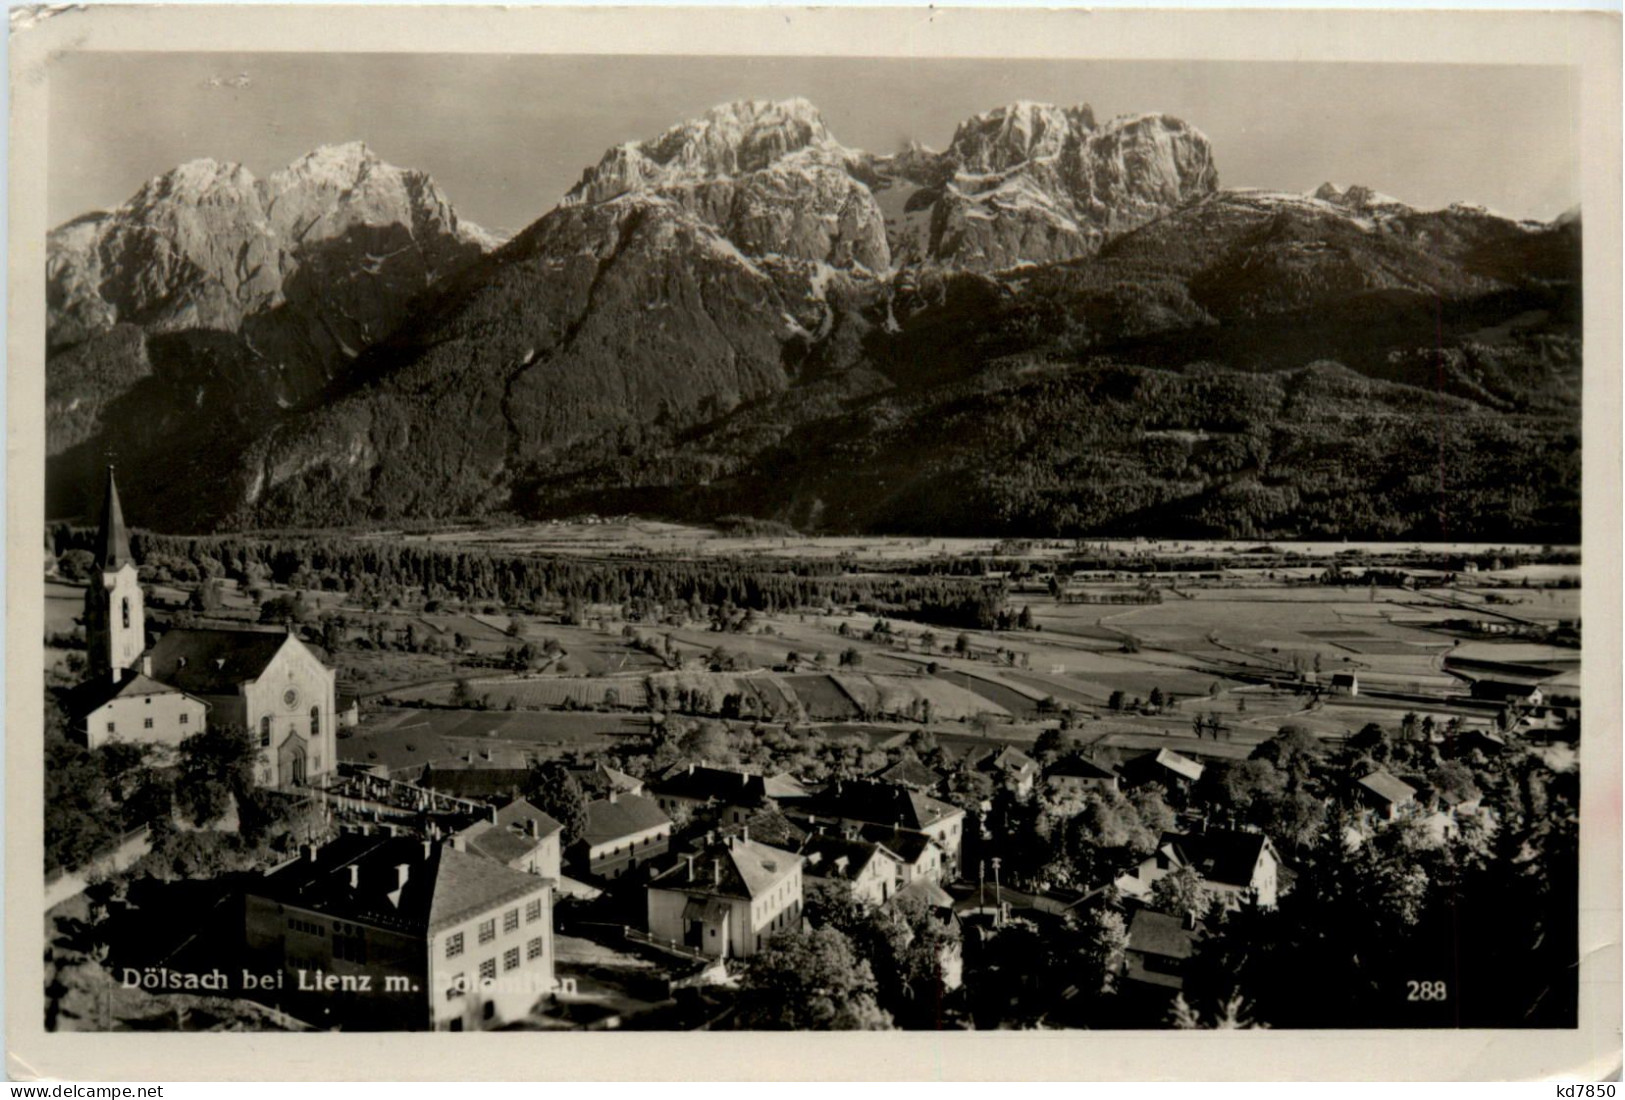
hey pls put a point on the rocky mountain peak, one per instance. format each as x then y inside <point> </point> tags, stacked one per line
<point>1006,136</point>
<point>728,140</point>
<point>200,182</point>
<point>765,175</point>
<point>338,166</point>
<point>1359,199</point>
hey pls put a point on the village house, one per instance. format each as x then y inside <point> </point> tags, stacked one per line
<point>476,778</point>
<point>384,932</point>
<point>908,772</point>
<point>623,833</point>
<point>347,708</point>
<point>1507,692</point>
<point>597,780</point>
<point>729,900</point>
<point>1385,795</point>
<point>1076,775</point>
<point>872,870</point>
<point>1234,864</point>
<point>1160,949</point>
<point>130,706</point>
<point>888,806</point>
<point>919,857</point>
<point>1008,767</point>
<point>1174,771</point>
<point>729,796</point>
<point>1345,683</point>
<point>519,836</point>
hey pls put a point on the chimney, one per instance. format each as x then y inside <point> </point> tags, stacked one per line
<point>614,796</point>
<point>402,872</point>
<point>690,861</point>
<point>491,812</point>
<point>311,851</point>
<point>146,664</point>
<point>458,843</point>
<point>355,876</point>
<point>533,829</point>
<point>745,833</point>
<point>716,872</point>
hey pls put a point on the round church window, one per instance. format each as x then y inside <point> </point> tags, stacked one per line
<point>290,698</point>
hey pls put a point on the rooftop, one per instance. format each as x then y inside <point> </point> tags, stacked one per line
<point>1225,856</point>
<point>610,819</point>
<point>215,662</point>
<point>1180,765</point>
<point>100,690</point>
<point>396,882</point>
<point>736,868</point>
<point>471,781</point>
<point>518,830</point>
<point>1388,787</point>
<point>1162,934</point>
<point>882,803</point>
<point>1006,759</point>
<point>831,856</point>
<point>1080,767</point>
<point>909,773</point>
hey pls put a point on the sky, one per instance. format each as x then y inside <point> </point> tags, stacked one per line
<point>506,136</point>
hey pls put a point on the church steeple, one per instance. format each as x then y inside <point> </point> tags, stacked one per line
<point>113,540</point>
<point>115,618</point>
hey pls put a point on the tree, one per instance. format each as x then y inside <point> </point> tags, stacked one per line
<point>1104,948</point>
<point>809,981</point>
<point>1115,701</point>
<point>553,790</point>
<point>1180,892</point>
<point>462,694</point>
<point>215,766</point>
<point>78,821</point>
<point>285,609</point>
<point>205,597</point>
<point>1051,743</point>
<point>1371,739</point>
<point>706,742</point>
<point>1156,699</point>
<point>962,644</point>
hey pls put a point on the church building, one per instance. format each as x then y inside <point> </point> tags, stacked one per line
<point>267,681</point>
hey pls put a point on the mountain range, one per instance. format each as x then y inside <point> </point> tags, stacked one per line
<point>1055,326</point>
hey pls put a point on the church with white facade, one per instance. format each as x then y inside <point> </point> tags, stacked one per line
<point>266,681</point>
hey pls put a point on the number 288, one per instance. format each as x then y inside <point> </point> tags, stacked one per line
<point>1427,991</point>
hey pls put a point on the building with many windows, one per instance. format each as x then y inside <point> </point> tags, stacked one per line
<point>386,932</point>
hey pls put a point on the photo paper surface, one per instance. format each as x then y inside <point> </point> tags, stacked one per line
<point>1008,537</point>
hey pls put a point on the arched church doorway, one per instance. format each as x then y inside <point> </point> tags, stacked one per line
<point>291,761</point>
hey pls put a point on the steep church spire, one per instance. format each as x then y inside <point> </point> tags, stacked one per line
<point>113,540</point>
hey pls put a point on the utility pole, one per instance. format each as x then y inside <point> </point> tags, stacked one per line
<point>998,893</point>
